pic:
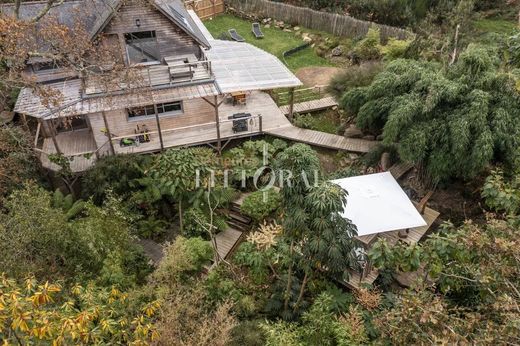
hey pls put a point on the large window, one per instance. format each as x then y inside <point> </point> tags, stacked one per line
<point>141,47</point>
<point>163,109</point>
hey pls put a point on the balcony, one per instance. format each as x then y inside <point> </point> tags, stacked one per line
<point>174,71</point>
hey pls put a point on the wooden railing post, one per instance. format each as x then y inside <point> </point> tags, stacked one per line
<point>109,134</point>
<point>158,125</point>
<point>217,120</point>
<point>291,103</point>
<point>260,125</point>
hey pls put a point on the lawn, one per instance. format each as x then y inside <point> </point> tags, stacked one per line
<point>276,41</point>
<point>495,25</point>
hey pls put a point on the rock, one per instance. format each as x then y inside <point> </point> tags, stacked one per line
<point>369,138</point>
<point>335,108</point>
<point>386,163</point>
<point>287,30</point>
<point>267,26</point>
<point>379,138</point>
<point>6,116</point>
<point>296,28</point>
<point>353,132</point>
<point>338,51</point>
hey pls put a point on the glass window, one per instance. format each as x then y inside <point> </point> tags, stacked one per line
<point>142,47</point>
<point>163,109</point>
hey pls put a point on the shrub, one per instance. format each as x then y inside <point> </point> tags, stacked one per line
<point>369,48</point>
<point>258,205</point>
<point>17,160</point>
<point>192,219</point>
<point>354,77</point>
<point>182,259</point>
<point>395,49</point>
<point>248,333</point>
<point>114,173</point>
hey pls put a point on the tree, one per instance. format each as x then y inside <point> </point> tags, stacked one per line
<point>302,162</point>
<point>40,238</point>
<point>70,47</point>
<point>44,312</point>
<point>17,160</point>
<point>451,122</point>
<point>176,172</point>
<point>475,267</point>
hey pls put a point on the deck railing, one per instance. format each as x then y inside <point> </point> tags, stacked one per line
<point>283,98</point>
<point>225,127</point>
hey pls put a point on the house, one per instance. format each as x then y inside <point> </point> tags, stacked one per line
<point>380,209</point>
<point>194,89</point>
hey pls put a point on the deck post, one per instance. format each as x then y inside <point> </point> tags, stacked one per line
<point>291,103</point>
<point>260,125</point>
<point>109,134</point>
<point>158,125</point>
<point>217,121</point>
<point>52,131</point>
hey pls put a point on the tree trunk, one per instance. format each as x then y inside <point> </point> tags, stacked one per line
<point>302,291</point>
<point>289,279</point>
<point>181,223</point>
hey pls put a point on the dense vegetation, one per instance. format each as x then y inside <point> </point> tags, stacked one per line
<point>75,266</point>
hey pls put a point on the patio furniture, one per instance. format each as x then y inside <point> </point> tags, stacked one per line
<point>181,66</point>
<point>257,31</point>
<point>240,122</point>
<point>235,36</point>
<point>239,97</point>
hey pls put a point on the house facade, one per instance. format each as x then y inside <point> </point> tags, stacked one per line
<point>189,89</point>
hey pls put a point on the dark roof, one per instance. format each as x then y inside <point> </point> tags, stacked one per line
<point>95,14</point>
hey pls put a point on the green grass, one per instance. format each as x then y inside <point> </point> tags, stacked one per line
<point>499,26</point>
<point>276,41</point>
<point>325,121</point>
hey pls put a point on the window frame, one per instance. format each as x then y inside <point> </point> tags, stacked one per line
<point>163,114</point>
<point>130,63</point>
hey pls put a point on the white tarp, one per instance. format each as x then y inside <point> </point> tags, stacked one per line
<point>377,204</point>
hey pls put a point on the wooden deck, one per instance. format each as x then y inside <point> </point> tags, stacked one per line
<point>311,106</point>
<point>400,169</point>
<point>322,139</point>
<point>74,145</point>
<point>227,241</point>
<point>258,104</point>
<point>415,235</point>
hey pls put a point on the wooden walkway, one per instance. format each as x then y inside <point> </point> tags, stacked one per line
<point>400,169</point>
<point>322,139</point>
<point>311,106</point>
<point>227,241</point>
<point>415,235</point>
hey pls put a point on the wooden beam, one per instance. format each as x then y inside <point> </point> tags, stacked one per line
<point>217,120</point>
<point>109,134</point>
<point>158,125</point>
<point>291,103</point>
<point>52,132</point>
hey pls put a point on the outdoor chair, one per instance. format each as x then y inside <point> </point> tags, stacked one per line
<point>235,36</point>
<point>257,31</point>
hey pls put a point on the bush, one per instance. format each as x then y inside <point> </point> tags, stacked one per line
<point>354,77</point>
<point>248,333</point>
<point>395,49</point>
<point>17,160</point>
<point>369,48</point>
<point>183,259</point>
<point>114,173</point>
<point>192,219</point>
<point>259,206</point>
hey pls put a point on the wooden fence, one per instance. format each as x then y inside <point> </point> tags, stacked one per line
<point>336,24</point>
<point>206,8</point>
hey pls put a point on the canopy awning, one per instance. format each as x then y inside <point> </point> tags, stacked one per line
<point>377,204</point>
<point>240,66</point>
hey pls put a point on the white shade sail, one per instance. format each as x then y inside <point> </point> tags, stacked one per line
<point>377,204</point>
